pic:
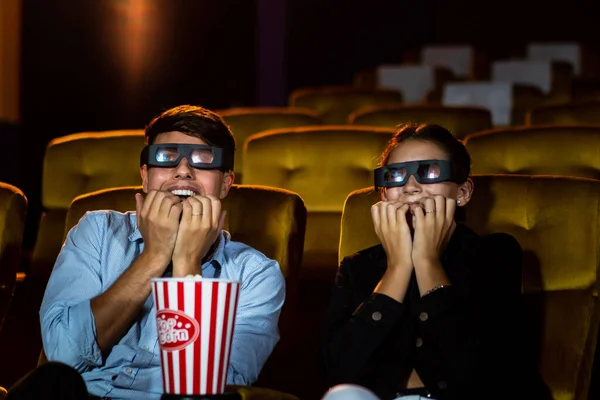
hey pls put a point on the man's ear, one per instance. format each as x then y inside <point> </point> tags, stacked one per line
<point>228,178</point>
<point>383,193</point>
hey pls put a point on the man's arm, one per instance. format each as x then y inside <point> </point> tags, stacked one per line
<point>80,323</point>
<point>256,332</point>
<point>117,309</point>
<point>66,319</point>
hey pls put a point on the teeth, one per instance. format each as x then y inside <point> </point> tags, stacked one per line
<point>183,192</point>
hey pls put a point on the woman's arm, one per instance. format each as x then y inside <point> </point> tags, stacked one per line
<point>476,324</point>
<point>352,334</point>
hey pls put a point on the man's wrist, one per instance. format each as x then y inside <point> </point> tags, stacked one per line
<point>154,264</point>
<point>186,266</point>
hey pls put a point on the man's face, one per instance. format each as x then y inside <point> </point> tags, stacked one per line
<point>184,177</point>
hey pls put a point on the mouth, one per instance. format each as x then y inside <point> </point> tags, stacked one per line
<point>183,193</point>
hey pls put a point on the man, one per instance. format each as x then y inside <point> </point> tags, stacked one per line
<point>98,314</point>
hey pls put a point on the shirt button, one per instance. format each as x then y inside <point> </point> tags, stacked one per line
<point>146,347</point>
<point>376,316</point>
<point>442,384</point>
<point>128,370</point>
<point>423,316</point>
<point>419,342</point>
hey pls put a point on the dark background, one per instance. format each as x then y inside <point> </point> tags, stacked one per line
<point>114,64</point>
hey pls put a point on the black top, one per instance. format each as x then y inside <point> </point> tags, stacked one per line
<point>465,340</point>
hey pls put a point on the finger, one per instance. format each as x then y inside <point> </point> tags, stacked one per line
<point>186,212</point>
<point>375,216</point>
<point>175,212</point>
<point>206,212</point>
<point>419,214</point>
<point>402,208</point>
<point>139,203</point>
<point>390,216</point>
<point>154,208</point>
<point>401,216</point>
<point>222,220</point>
<point>215,205</point>
<point>440,209</point>
<point>148,201</point>
<point>428,204</point>
<point>450,210</point>
<point>167,202</point>
<point>197,209</point>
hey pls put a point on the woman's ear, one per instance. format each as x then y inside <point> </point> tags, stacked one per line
<point>465,191</point>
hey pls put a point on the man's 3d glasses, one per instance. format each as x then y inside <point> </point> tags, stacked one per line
<point>424,171</point>
<point>169,155</point>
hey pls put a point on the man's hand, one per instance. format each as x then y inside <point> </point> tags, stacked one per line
<point>158,221</point>
<point>201,223</point>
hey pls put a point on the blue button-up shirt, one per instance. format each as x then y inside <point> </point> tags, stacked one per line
<point>95,254</point>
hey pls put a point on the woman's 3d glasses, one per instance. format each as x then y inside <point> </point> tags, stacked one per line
<point>424,171</point>
<point>169,155</point>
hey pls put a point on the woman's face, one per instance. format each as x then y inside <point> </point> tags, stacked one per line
<point>413,191</point>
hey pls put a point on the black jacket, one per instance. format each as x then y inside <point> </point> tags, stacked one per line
<point>465,340</point>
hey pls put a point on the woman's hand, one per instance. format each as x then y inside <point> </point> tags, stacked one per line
<point>434,218</point>
<point>391,226</point>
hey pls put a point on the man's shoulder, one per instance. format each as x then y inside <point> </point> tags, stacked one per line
<point>246,258</point>
<point>108,221</point>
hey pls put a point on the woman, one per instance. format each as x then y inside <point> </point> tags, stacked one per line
<point>434,310</point>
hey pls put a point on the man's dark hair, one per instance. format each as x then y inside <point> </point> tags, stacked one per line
<point>193,121</point>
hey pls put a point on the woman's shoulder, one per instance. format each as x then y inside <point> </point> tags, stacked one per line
<point>489,243</point>
<point>370,258</point>
<point>500,242</point>
<point>364,268</point>
<point>494,256</point>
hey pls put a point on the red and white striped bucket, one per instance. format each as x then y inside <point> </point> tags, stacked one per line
<point>195,319</point>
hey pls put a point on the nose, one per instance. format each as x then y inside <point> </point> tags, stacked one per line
<point>184,170</point>
<point>411,186</point>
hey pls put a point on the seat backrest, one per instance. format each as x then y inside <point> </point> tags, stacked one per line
<point>570,52</point>
<point>583,113</point>
<point>459,59</point>
<point>356,217</point>
<point>248,121</point>
<point>413,81</point>
<point>537,150</point>
<point>74,165</point>
<point>461,121</point>
<point>525,98</point>
<point>13,209</point>
<point>323,165</point>
<point>271,220</point>
<point>556,221</point>
<point>334,104</point>
<point>494,96</point>
<point>526,72</point>
<point>559,234</point>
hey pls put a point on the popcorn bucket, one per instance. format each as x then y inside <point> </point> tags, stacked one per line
<point>195,319</point>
